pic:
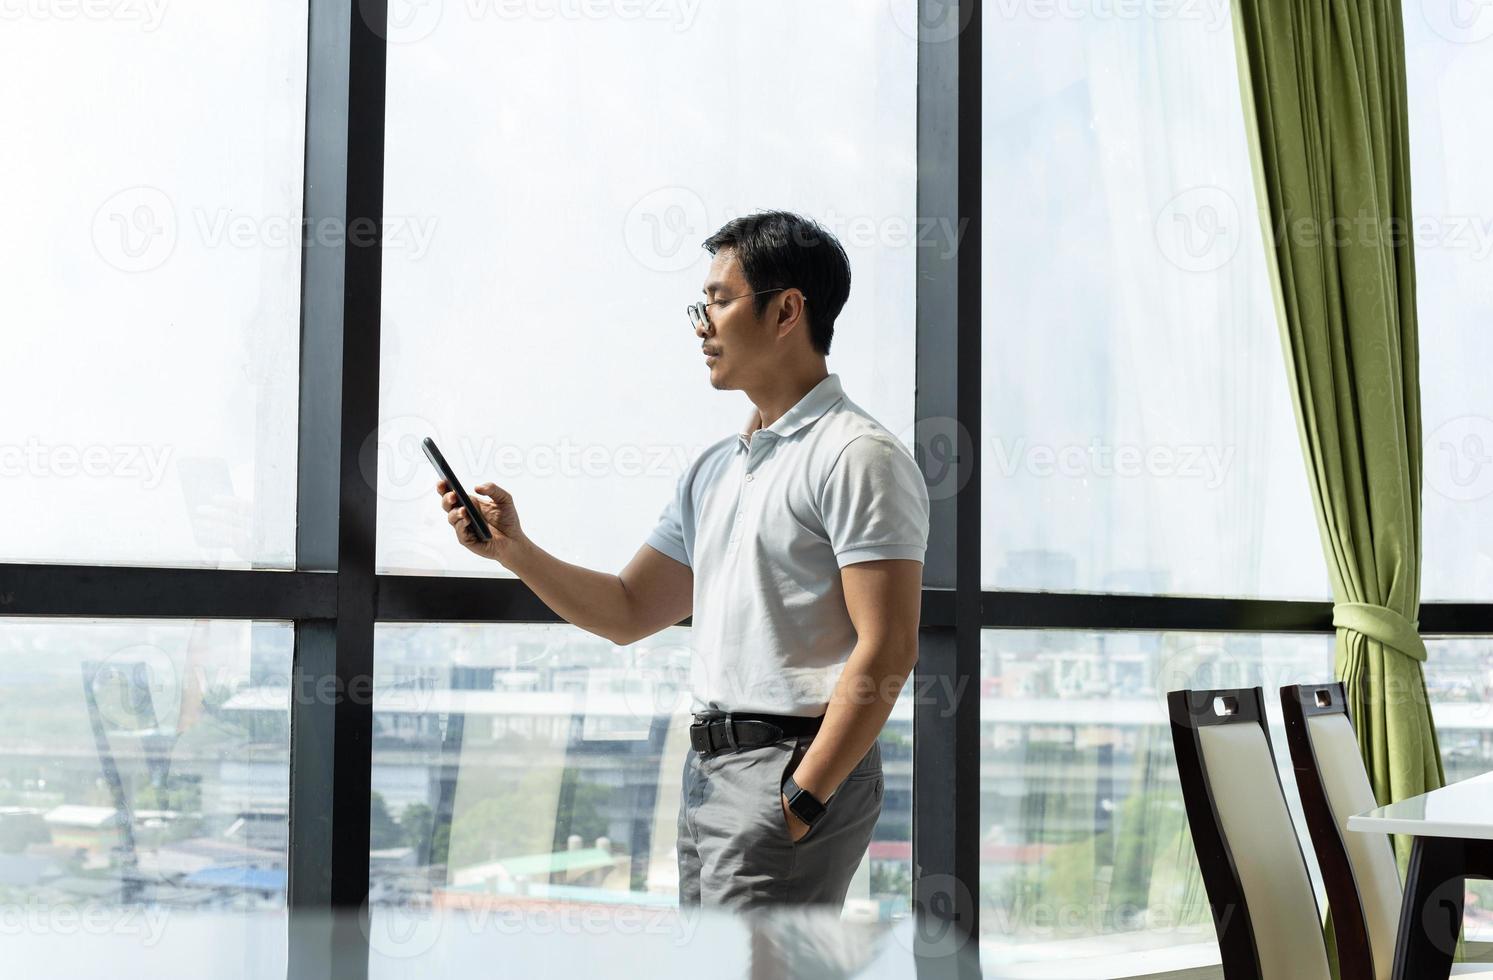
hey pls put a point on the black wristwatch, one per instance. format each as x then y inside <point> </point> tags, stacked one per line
<point>805,805</point>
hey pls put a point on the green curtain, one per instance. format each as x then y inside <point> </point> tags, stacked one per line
<point>1323,86</point>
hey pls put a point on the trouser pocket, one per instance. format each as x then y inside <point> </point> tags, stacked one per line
<point>794,754</point>
<point>861,788</point>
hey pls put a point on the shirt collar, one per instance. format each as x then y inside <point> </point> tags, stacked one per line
<point>815,402</point>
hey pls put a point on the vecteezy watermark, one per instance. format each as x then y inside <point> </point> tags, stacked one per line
<point>403,932</point>
<point>664,681</point>
<point>1453,232</point>
<point>1209,464</point>
<point>658,682</point>
<point>678,14</point>
<point>38,460</point>
<point>1199,230</point>
<point>1213,14</point>
<point>937,21</point>
<point>148,13</point>
<point>939,445</point>
<point>1460,21</point>
<point>1017,914</point>
<point>400,932</point>
<point>135,229</point>
<point>393,461</point>
<point>1459,458</point>
<point>931,21</point>
<point>1213,664</point>
<point>665,228</point>
<point>408,21</point>
<point>937,902</point>
<point>405,21</point>
<point>735,682</point>
<point>408,233</point>
<point>136,688</point>
<point>138,229</point>
<point>37,918</point>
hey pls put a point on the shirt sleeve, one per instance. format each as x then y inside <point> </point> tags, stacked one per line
<point>875,502</point>
<point>668,536</point>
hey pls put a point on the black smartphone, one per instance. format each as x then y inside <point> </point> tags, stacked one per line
<point>439,462</point>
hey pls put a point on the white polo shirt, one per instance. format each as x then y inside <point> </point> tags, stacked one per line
<point>766,518</point>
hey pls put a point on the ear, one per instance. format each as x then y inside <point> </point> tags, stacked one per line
<point>792,313</point>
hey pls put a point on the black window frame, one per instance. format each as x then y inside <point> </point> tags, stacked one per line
<point>334,597</point>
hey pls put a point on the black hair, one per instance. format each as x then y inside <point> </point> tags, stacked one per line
<point>780,248</point>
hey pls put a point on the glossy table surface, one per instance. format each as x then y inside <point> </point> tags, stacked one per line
<point>500,940</point>
<point>1463,809</point>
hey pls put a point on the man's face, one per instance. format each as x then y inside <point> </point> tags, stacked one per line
<point>736,336</point>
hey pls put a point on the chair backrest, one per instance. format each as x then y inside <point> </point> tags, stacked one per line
<point>1358,870</point>
<point>1259,889</point>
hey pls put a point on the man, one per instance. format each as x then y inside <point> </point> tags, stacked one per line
<point>797,546</point>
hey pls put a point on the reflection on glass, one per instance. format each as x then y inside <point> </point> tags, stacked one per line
<point>521,768</point>
<point>144,768</point>
<point>1085,851</point>
<point>1459,682</point>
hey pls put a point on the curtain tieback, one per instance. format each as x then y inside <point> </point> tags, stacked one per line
<point>1383,624</point>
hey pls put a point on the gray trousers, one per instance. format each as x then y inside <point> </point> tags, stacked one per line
<point>734,848</point>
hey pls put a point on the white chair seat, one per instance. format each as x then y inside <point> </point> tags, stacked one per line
<point>1473,970</point>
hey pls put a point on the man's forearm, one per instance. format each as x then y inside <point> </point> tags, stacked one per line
<point>858,709</point>
<point>595,601</point>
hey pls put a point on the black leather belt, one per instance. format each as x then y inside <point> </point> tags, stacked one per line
<point>714,732</point>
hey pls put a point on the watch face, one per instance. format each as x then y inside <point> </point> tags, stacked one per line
<point>803,803</point>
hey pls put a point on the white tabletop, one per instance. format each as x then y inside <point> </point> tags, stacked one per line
<point>1462,809</point>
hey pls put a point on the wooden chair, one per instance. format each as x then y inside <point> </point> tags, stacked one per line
<point>1260,892</point>
<point>1358,870</point>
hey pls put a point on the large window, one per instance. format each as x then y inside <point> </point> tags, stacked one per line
<point>1085,854</point>
<point>1459,680</point>
<point>190,387</point>
<point>1449,66</point>
<point>547,227</point>
<point>1137,431</point>
<point>520,769</point>
<point>1138,437</point>
<point>152,257</point>
<point>144,770</point>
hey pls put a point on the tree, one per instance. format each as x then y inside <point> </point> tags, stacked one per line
<point>384,831</point>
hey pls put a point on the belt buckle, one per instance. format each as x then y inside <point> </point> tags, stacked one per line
<point>699,733</point>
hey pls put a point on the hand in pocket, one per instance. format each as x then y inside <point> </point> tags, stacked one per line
<point>796,827</point>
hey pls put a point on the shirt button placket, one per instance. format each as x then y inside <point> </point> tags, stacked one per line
<point>740,511</point>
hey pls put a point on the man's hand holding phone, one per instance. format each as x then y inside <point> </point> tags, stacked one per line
<point>497,510</point>
<point>493,530</point>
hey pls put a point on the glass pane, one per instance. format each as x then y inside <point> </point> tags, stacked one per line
<point>1448,70</point>
<point>547,240</point>
<point>1459,681</point>
<point>144,775</point>
<point>1085,855</point>
<point>152,291</point>
<point>1138,435</point>
<point>520,771</point>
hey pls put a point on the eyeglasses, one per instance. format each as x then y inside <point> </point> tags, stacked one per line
<point>699,313</point>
